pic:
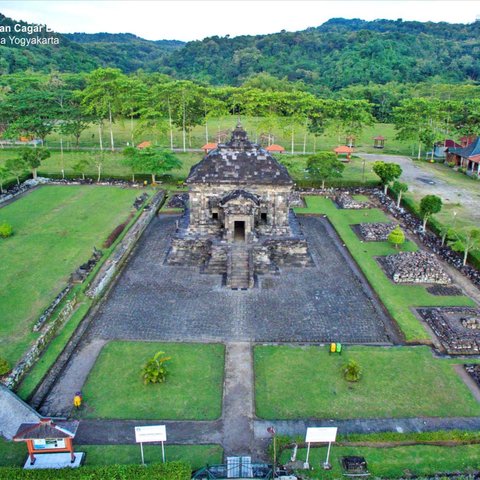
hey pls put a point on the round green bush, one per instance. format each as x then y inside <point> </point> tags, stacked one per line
<point>6,230</point>
<point>4,366</point>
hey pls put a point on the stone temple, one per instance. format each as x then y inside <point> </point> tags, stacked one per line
<point>238,220</point>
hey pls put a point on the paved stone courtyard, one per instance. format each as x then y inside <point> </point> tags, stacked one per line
<point>328,302</point>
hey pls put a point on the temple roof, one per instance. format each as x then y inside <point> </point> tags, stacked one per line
<point>239,162</point>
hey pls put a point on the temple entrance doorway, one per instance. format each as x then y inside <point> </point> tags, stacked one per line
<point>239,231</point>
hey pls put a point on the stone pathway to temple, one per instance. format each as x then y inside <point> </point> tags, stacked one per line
<point>59,401</point>
<point>238,402</point>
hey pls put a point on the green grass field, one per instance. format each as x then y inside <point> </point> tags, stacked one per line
<point>56,228</point>
<point>14,454</point>
<point>193,390</point>
<point>122,130</point>
<point>417,460</point>
<point>398,299</point>
<point>306,382</point>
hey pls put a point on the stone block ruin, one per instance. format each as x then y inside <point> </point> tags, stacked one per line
<point>414,267</point>
<point>346,201</point>
<point>457,328</point>
<point>375,232</point>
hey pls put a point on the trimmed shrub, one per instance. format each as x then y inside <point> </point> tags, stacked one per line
<point>161,471</point>
<point>396,237</point>
<point>6,230</point>
<point>4,366</point>
<point>351,371</point>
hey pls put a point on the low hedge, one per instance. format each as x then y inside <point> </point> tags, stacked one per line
<point>160,471</point>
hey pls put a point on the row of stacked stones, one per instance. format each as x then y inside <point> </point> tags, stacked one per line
<point>453,327</point>
<point>412,224</point>
<point>474,371</point>
<point>375,232</point>
<point>346,201</point>
<point>414,267</point>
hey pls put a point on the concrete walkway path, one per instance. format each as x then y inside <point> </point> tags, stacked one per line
<point>117,432</point>
<point>238,403</point>
<point>59,402</point>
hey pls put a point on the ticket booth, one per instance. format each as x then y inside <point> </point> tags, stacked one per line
<point>47,437</point>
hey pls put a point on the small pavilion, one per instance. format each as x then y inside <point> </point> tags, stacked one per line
<point>344,150</point>
<point>379,141</point>
<point>144,144</point>
<point>208,147</point>
<point>48,437</point>
<point>350,140</point>
<point>275,149</point>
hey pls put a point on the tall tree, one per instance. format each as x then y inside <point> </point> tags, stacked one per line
<point>31,113</point>
<point>388,172</point>
<point>352,116</point>
<point>156,161</point>
<point>399,188</point>
<point>429,205</point>
<point>323,166</point>
<point>16,166</point>
<point>102,97</point>
<point>33,157</point>
<point>466,241</point>
<point>418,119</point>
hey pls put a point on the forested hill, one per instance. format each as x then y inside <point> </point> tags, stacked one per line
<point>336,54</point>
<point>339,53</point>
<point>125,50</point>
<point>81,52</point>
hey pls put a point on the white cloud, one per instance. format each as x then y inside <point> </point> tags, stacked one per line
<point>196,19</point>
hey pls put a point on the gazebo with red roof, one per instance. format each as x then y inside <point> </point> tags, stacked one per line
<point>343,150</point>
<point>144,144</point>
<point>274,148</point>
<point>208,147</point>
<point>47,437</point>
<point>379,141</point>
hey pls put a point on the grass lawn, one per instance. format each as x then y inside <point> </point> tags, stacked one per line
<point>14,454</point>
<point>398,299</point>
<point>196,455</point>
<point>417,460</point>
<point>193,390</point>
<point>56,228</point>
<point>306,382</point>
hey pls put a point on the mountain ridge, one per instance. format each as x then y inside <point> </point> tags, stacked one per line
<point>338,53</point>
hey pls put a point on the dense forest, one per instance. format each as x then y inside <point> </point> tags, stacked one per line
<point>338,54</point>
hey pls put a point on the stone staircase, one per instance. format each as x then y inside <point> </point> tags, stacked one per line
<point>239,268</point>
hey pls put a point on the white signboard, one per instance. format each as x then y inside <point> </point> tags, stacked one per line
<point>321,434</point>
<point>152,433</point>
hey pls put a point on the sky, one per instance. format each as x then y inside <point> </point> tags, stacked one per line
<point>197,19</point>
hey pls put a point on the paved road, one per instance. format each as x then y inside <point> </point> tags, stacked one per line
<point>425,179</point>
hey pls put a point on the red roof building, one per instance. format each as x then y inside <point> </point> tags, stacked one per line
<point>208,147</point>
<point>379,141</point>
<point>467,157</point>
<point>343,150</point>
<point>145,144</point>
<point>275,148</point>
